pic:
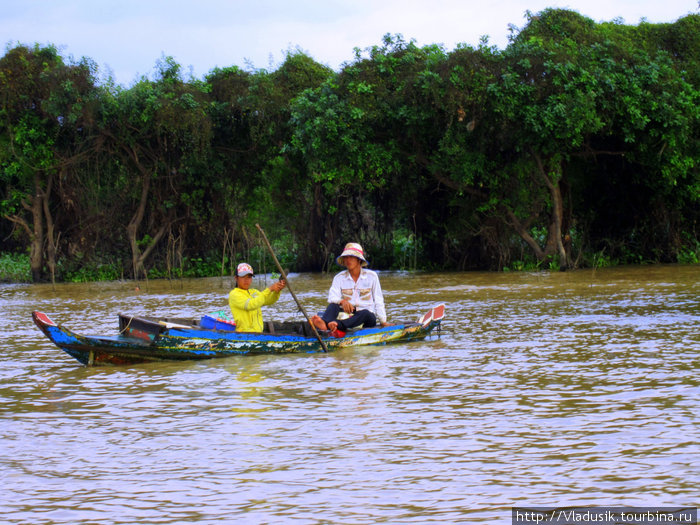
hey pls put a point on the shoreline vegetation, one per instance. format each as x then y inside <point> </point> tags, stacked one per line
<point>15,269</point>
<point>576,146</point>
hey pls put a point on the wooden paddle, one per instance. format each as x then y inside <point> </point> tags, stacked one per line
<point>284,276</point>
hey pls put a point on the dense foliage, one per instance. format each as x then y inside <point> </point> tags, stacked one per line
<point>576,145</point>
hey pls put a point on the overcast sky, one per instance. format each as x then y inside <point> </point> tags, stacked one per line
<point>127,37</point>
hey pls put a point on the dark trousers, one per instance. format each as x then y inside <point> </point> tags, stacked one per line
<point>360,317</point>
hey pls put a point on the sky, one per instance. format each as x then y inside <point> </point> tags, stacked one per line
<point>126,38</point>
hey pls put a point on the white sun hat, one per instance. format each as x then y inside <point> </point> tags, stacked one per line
<point>355,250</point>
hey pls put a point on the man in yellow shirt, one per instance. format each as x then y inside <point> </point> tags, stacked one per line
<point>246,303</point>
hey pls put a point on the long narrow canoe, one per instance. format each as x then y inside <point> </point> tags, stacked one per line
<point>142,340</point>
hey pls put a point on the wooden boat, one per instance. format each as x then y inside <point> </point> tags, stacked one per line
<point>142,339</point>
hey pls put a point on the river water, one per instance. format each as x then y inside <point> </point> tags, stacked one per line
<point>550,389</point>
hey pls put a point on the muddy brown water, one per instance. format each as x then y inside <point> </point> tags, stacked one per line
<point>552,389</point>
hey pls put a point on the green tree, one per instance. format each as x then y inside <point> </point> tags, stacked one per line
<point>359,133</point>
<point>251,114</point>
<point>563,96</point>
<point>156,130</point>
<point>45,110</point>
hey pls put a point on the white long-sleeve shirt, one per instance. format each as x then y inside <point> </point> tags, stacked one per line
<point>365,294</point>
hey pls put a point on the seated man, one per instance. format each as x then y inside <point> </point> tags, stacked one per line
<point>355,291</point>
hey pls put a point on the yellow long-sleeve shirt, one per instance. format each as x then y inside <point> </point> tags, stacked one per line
<point>246,307</point>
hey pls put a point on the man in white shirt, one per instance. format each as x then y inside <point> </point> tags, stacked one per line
<point>355,291</point>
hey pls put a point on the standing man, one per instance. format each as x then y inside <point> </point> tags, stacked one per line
<point>355,291</point>
<point>246,303</point>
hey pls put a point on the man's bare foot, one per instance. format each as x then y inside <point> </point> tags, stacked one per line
<point>332,325</point>
<point>319,323</point>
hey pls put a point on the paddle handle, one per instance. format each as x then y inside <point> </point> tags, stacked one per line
<point>284,276</point>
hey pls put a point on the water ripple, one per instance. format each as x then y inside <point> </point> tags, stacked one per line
<point>549,389</point>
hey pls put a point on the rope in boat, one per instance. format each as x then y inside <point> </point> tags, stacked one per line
<point>127,325</point>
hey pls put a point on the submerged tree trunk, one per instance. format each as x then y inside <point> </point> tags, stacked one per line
<point>138,257</point>
<point>555,240</point>
<point>555,244</point>
<point>35,233</point>
<point>36,254</point>
<point>38,207</point>
<point>133,227</point>
<point>319,235</point>
<point>51,238</point>
<point>524,234</point>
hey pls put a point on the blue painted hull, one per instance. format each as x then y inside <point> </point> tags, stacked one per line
<point>140,343</point>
